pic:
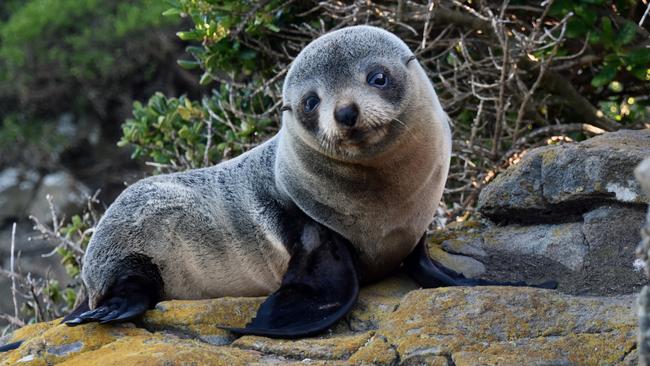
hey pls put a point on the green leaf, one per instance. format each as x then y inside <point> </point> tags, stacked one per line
<point>76,220</point>
<point>606,74</point>
<point>194,35</point>
<point>188,64</point>
<point>185,133</point>
<point>195,50</point>
<point>172,11</point>
<point>627,33</point>
<point>272,27</point>
<point>576,27</point>
<point>587,14</point>
<point>639,56</point>
<point>185,114</point>
<point>608,32</point>
<point>641,72</point>
<point>205,79</point>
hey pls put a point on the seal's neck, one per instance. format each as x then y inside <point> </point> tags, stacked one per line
<point>398,173</point>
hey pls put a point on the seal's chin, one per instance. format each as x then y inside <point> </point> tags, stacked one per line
<point>362,136</point>
<point>356,141</point>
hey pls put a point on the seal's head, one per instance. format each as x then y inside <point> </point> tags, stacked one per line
<point>347,92</point>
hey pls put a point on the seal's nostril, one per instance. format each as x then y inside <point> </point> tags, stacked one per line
<point>347,115</point>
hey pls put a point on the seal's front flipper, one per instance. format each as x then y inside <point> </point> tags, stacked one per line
<point>319,288</point>
<point>129,298</point>
<point>429,273</point>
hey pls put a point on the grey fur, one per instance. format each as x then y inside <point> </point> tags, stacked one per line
<point>222,231</point>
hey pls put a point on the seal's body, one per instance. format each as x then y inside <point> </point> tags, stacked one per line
<point>342,194</point>
<point>224,230</point>
<point>212,232</point>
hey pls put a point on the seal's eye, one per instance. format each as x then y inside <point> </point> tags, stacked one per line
<point>311,103</point>
<point>378,79</point>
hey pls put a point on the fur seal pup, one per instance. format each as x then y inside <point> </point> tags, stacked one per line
<point>342,195</point>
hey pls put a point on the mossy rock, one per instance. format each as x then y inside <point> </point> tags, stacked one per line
<point>393,323</point>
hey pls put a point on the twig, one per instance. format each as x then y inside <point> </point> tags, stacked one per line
<point>13,320</point>
<point>244,21</point>
<point>49,234</point>
<point>427,24</point>
<point>524,103</point>
<point>208,144</point>
<point>645,14</point>
<point>505,66</point>
<point>11,268</point>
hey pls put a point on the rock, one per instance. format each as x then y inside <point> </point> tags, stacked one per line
<point>512,326</point>
<point>592,256</point>
<point>562,243</point>
<point>568,212</point>
<point>68,195</point>
<point>394,323</point>
<point>17,187</point>
<point>569,178</point>
<point>201,319</point>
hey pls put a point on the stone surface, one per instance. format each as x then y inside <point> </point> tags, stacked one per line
<point>595,255</point>
<point>17,189</point>
<point>559,180</point>
<point>569,212</point>
<point>68,195</point>
<point>394,323</point>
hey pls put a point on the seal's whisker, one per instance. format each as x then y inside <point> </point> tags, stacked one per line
<point>406,127</point>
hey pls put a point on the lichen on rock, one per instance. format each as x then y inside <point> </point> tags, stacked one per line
<point>394,323</point>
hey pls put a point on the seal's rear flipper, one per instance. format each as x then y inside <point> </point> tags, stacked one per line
<point>319,288</point>
<point>429,273</point>
<point>114,309</point>
<point>138,289</point>
<point>80,309</point>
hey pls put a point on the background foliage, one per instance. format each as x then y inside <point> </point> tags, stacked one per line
<point>511,75</point>
<point>85,57</point>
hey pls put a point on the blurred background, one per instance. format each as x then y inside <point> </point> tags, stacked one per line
<point>95,94</point>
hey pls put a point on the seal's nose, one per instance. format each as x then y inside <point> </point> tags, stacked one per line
<point>348,115</point>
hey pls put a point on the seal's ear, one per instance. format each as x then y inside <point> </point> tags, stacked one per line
<point>408,59</point>
<point>285,107</point>
<point>319,288</point>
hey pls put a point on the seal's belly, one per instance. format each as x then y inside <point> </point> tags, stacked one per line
<point>242,260</point>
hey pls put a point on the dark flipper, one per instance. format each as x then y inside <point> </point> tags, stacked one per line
<point>319,288</point>
<point>80,309</point>
<point>138,290</point>
<point>429,273</point>
<point>10,346</point>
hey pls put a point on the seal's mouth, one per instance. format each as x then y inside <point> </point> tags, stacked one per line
<point>362,136</point>
<point>354,141</point>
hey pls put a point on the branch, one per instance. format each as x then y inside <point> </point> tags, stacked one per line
<point>244,21</point>
<point>560,85</point>
<point>552,80</point>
